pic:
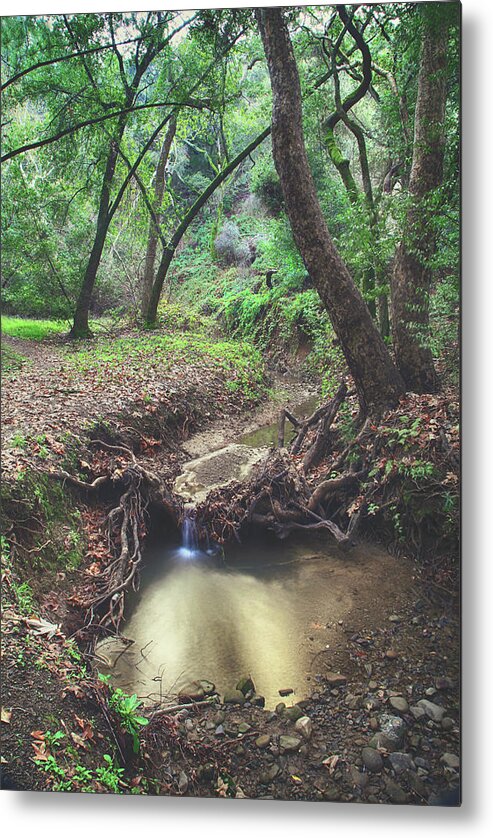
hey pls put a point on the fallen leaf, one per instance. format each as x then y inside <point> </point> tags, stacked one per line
<point>79,741</point>
<point>331,763</point>
<point>42,626</point>
<point>40,750</point>
<point>6,715</point>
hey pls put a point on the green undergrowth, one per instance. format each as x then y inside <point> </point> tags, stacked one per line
<point>30,329</point>
<point>41,519</point>
<point>235,297</point>
<point>240,363</point>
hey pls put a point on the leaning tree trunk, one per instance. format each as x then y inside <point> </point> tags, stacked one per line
<point>152,240</point>
<point>412,275</point>
<point>80,327</point>
<point>377,380</point>
<point>150,314</point>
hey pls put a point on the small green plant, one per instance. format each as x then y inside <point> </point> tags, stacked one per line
<point>407,432</point>
<point>25,598</point>
<point>126,707</point>
<point>19,440</point>
<point>53,739</point>
<point>109,774</point>
<point>51,766</point>
<point>21,660</point>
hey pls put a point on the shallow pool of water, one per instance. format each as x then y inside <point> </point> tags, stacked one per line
<point>266,436</point>
<point>268,612</point>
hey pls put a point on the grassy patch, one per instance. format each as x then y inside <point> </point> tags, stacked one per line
<point>19,327</point>
<point>239,363</point>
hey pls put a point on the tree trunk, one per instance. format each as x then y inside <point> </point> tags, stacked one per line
<point>412,276</point>
<point>168,253</point>
<point>377,380</point>
<point>80,328</point>
<point>152,240</point>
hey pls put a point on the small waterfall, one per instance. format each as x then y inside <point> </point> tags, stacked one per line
<point>189,538</point>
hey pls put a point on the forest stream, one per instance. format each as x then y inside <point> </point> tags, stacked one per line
<point>274,610</point>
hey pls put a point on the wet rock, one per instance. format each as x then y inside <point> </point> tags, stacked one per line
<point>280,708</point>
<point>332,793</point>
<point>399,703</point>
<point>371,702</point>
<point>447,797</point>
<point>192,692</point>
<point>205,772</point>
<point>382,742</point>
<point>289,743</point>
<point>416,783</point>
<point>447,723</point>
<point>245,685</point>
<point>304,726</point>
<point>220,730</point>
<point>244,727</point>
<point>433,711</point>
<point>430,691</point>
<point>263,741</point>
<point>257,700</point>
<point>358,778</point>
<point>373,724</point>
<point>444,683</point>
<point>395,792</point>
<point>450,761</point>
<point>401,762</point>
<point>372,760</point>
<point>417,713</point>
<point>334,679</point>
<point>234,697</point>
<point>182,782</point>
<point>207,686</point>
<point>287,691</point>
<point>393,727</point>
<point>269,774</point>
<point>217,468</point>
<point>293,713</point>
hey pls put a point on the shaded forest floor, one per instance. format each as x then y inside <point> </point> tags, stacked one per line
<point>52,405</point>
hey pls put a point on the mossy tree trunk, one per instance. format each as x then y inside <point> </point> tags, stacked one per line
<point>152,240</point>
<point>411,277</point>
<point>377,380</point>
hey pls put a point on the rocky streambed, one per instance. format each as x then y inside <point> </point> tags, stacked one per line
<point>383,728</point>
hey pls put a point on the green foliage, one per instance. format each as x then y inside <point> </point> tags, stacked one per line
<point>110,774</point>
<point>59,544</point>
<point>29,329</point>
<point>239,362</point>
<point>126,706</point>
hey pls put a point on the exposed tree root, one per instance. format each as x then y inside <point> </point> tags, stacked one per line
<point>398,477</point>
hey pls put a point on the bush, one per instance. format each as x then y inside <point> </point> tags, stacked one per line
<point>229,246</point>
